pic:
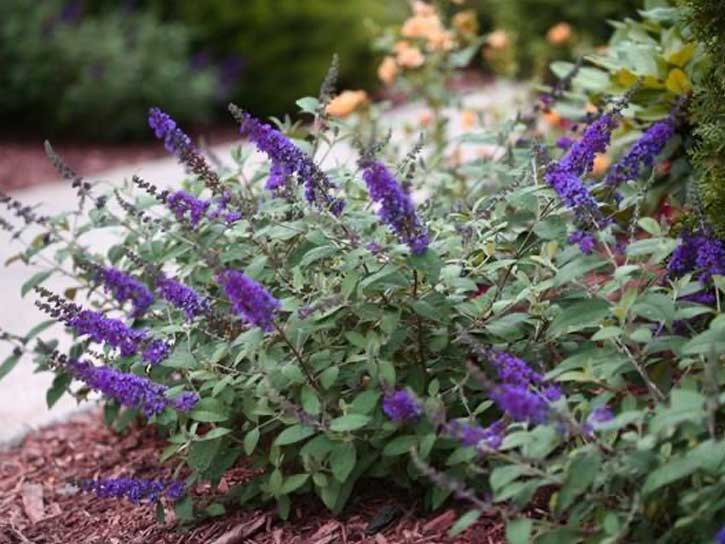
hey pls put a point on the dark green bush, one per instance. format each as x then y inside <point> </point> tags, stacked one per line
<point>285,46</point>
<point>94,75</point>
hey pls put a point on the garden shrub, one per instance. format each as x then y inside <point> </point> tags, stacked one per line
<point>521,336</point>
<point>94,75</point>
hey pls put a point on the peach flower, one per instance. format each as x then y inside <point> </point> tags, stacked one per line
<point>410,58</point>
<point>346,102</point>
<point>498,39</point>
<point>468,119</point>
<point>601,163</point>
<point>559,34</point>
<point>388,70</point>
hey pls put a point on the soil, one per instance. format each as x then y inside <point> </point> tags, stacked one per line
<point>39,504</point>
<point>23,162</point>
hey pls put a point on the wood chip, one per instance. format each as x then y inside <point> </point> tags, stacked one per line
<point>240,532</point>
<point>440,523</point>
<point>33,502</point>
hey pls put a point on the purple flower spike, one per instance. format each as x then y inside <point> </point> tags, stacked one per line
<point>699,252</point>
<point>186,401</point>
<point>127,389</point>
<point>401,406</point>
<point>642,153</point>
<point>580,157</point>
<point>155,352</point>
<point>124,288</point>
<point>490,437</point>
<point>720,536</point>
<point>584,240</point>
<point>599,415</point>
<point>288,160</point>
<point>175,140</point>
<point>514,371</point>
<point>135,490</point>
<point>249,299</point>
<point>570,189</point>
<point>183,297</point>
<point>396,207</point>
<point>101,329</point>
<point>187,207</point>
<point>520,403</point>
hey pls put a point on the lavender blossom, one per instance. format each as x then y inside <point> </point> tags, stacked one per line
<point>182,203</point>
<point>155,352</point>
<point>183,297</point>
<point>700,252</point>
<point>514,371</point>
<point>599,415</point>
<point>579,159</point>
<point>584,240</point>
<point>249,299</point>
<point>642,153</point>
<point>564,176</point>
<point>401,406</point>
<point>490,437</point>
<point>124,288</point>
<point>175,140</point>
<point>396,207</point>
<point>521,403</point>
<point>102,329</point>
<point>288,160</point>
<point>135,490</point>
<point>127,389</point>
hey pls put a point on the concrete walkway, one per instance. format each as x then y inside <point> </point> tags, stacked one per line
<point>22,392</point>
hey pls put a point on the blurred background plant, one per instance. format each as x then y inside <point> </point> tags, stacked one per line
<point>72,67</point>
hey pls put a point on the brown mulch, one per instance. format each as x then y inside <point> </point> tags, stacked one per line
<point>23,162</point>
<point>38,504</point>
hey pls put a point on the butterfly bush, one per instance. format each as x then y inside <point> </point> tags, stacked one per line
<point>333,331</point>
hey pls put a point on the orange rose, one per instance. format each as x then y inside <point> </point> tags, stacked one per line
<point>346,102</point>
<point>423,9</point>
<point>388,70</point>
<point>498,39</point>
<point>559,34</point>
<point>552,118</point>
<point>410,58</point>
<point>468,119</point>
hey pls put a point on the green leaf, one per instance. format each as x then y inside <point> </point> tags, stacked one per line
<point>35,280</point>
<point>310,402</point>
<point>293,434</point>
<point>504,475</point>
<point>349,422</point>
<point>250,441</point>
<point>209,410</point>
<point>60,384</point>
<point>464,522</point>
<point>365,402</point>
<point>329,376</point>
<point>308,104</point>
<point>429,263</point>
<point>342,460</point>
<point>294,482</point>
<point>184,510</point>
<point>518,531</point>
<point>578,316</point>
<point>581,473</point>
<point>8,364</point>
<point>577,268</point>
<point>217,432</point>
<point>201,454</point>
<point>400,445</point>
<point>180,358</point>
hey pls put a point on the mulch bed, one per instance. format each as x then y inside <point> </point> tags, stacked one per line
<point>39,505</point>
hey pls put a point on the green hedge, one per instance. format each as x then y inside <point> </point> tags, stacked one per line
<point>94,74</point>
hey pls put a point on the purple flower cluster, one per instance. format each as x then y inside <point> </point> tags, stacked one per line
<point>221,210</point>
<point>642,153</point>
<point>187,207</point>
<point>129,389</point>
<point>698,252</point>
<point>584,240</point>
<point>124,288</point>
<point>117,334</point>
<point>513,370</point>
<point>249,299</point>
<point>183,297</point>
<point>175,140</point>
<point>490,437</point>
<point>521,403</point>
<point>400,406</point>
<point>396,207</point>
<point>288,160</point>
<point>102,329</point>
<point>133,489</point>
<point>523,393</point>
<point>565,176</point>
<point>599,415</point>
